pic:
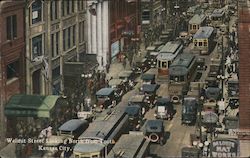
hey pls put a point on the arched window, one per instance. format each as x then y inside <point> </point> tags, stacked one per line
<point>36,11</point>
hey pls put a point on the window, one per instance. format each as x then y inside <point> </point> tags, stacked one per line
<point>36,11</point>
<point>67,7</point>
<point>80,5</point>
<point>164,64</point>
<point>62,8</point>
<point>72,6</point>
<point>81,32</point>
<point>11,25</point>
<point>55,44</point>
<point>53,10</point>
<point>194,27</point>
<point>195,44</point>
<point>56,73</point>
<point>146,15</point>
<point>56,88</point>
<point>37,46</point>
<point>200,44</point>
<point>74,35</point>
<point>68,38</point>
<point>64,39</point>
<point>190,26</point>
<point>12,70</point>
<point>205,43</point>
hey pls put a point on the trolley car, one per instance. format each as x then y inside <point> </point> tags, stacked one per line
<point>166,56</point>
<point>181,72</point>
<point>132,145</point>
<point>203,40</point>
<point>101,135</point>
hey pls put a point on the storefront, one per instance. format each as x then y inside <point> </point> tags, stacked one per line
<point>27,115</point>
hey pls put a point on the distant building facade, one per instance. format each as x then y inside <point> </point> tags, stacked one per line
<point>107,21</point>
<point>55,33</point>
<point>12,51</point>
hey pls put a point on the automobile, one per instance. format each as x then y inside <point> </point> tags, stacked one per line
<point>151,58</point>
<point>187,152</point>
<point>139,99</point>
<point>148,78</point>
<point>201,66</point>
<point>212,93</point>
<point>149,90</point>
<point>106,98</point>
<point>128,78</point>
<point>164,108</point>
<point>73,128</point>
<point>135,116</point>
<point>189,110</point>
<point>140,66</point>
<point>154,130</point>
<point>118,85</point>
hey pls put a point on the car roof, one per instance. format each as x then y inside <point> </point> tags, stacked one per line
<point>163,100</point>
<point>149,87</point>
<point>72,125</point>
<point>133,109</point>
<point>105,91</point>
<point>148,76</point>
<point>157,124</point>
<point>137,98</point>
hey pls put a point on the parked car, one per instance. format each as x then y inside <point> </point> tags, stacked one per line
<point>189,110</point>
<point>118,85</point>
<point>141,101</point>
<point>149,90</point>
<point>135,116</point>
<point>201,66</point>
<point>187,152</point>
<point>164,108</point>
<point>140,66</point>
<point>73,128</point>
<point>155,131</point>
<point>128,78</point>
<point>148,78</point>
<point>106,97</point>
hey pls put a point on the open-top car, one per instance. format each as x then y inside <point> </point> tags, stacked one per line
<point>140,66</point>
<point>149,90</point>
<point>135,116</point>
<point>148,78</point>
<point>155,131</point>
<point>164,108</point>
<point>201,64</point>
<point>128,78</point>
<point>141,101</point>
<point>106,97</point>
<point>118,85</point>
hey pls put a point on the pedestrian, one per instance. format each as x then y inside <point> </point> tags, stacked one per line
<point>124,63</point>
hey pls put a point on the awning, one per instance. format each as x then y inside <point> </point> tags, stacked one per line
<point>30,105</point>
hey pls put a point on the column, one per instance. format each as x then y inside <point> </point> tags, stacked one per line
<point>99,36</point>
<point>89,27</point>
<point>105,30</point>
<point>94,34</point>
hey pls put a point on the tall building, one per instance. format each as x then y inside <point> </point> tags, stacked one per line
<point>244,72</point>
<point>108,20</point>
<point>55,33</point>
<point>11,55</point>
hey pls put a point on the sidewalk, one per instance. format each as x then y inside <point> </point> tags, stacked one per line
<point>8,151</point>
<point>116,67</point>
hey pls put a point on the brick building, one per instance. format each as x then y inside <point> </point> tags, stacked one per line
<point>244,73</point>
<point>11,55</point>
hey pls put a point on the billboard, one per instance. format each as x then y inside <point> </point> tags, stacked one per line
<point>224,148</point>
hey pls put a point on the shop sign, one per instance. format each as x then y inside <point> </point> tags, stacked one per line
<point>224,148</point>
<point>114,49</point>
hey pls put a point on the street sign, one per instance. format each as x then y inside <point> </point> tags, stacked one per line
<point>84,114</point>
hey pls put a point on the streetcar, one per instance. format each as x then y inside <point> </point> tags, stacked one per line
<point>218,17</point>
<point>203,40</point>
<point>102,134</point>
<point>132,145</point>
<point>166,56</point>
<point>181,72</point>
